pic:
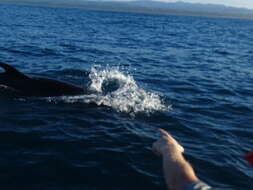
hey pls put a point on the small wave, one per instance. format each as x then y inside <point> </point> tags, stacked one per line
<point>32,50</point>
<point>223,52</point>
<point>113,88</point>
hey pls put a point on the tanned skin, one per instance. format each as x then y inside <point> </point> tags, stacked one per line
<point>177,171</point>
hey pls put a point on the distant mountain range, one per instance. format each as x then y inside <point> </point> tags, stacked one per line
<point>194,8</point>
<point>147,6</point>
<point>180,5</point>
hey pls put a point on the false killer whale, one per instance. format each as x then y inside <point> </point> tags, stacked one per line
<point>13,81</point>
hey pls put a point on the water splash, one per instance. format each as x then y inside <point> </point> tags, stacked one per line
<point>113,88</point>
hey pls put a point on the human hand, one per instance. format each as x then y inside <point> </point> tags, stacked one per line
<point>166,145</point>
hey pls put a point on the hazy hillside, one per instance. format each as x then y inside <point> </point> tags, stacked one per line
<point>192,6</point>
<point>195,7</point>
<point>147,6</point>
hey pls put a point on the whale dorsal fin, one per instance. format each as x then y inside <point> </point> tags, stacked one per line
<point>12,71</point>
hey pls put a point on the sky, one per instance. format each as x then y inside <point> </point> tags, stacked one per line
<point>233,3</point>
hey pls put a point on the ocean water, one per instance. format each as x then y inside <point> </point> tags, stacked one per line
<point>191,76</point>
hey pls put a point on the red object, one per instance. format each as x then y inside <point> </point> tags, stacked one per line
<point>249,158</point>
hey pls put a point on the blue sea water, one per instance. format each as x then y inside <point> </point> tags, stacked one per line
<point>192,76</point>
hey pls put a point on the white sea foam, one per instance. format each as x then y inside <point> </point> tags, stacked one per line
<point>118,90</point>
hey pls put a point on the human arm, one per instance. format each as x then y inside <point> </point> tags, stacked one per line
<point>177,171</point>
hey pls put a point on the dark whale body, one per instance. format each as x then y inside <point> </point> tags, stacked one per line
<point>16,82</point>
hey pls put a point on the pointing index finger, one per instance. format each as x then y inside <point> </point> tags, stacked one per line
<point>167,135</point>
<point>163,132</point>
